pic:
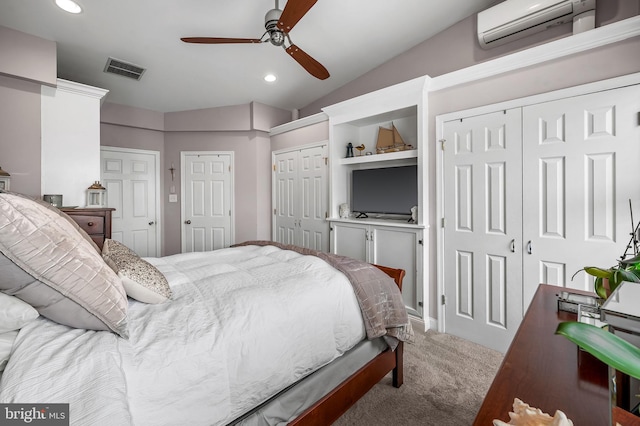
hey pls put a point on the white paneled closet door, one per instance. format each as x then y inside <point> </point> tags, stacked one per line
<point>566,179</point>
<point>580,167</point>
<point>286,206</point>
<point>482,273</point>
<point>301,198</point>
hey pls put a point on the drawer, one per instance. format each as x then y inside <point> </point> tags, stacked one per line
<point>91,224</point>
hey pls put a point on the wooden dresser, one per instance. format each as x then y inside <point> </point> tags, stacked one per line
<point>549,372</point>
<point>95,221</point>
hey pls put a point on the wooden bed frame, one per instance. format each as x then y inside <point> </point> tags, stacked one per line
<point>328,409</point>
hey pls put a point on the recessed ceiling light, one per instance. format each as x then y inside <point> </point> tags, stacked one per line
<point>270,78</point>
<point>69,6</point>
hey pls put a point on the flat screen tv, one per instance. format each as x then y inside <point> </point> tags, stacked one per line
<point>388,190</point>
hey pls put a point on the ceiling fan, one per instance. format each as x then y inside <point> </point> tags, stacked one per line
<point>278,23</point>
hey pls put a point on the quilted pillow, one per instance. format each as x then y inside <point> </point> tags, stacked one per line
<point>14,313</point>
<point>141,280</point>
<point>45,262</point>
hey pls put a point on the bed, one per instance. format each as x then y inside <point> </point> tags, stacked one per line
<point>259,333</point>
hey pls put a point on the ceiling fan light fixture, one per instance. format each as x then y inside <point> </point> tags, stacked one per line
<point>276,38</point>
<point>270,78</point>
<point>69,6</point>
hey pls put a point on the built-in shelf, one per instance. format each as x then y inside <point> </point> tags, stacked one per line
<point>380,221</point>
<point>359,159</point>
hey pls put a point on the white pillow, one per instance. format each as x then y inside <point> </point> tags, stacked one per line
<point>6,343</point>
<point>14,313</point>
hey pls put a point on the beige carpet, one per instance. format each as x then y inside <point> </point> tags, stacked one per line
<point>445,380</point>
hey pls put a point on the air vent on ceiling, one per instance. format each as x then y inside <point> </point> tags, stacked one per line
<point>116,66</point>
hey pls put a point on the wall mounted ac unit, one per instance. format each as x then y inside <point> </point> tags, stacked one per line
<point>514,19</point>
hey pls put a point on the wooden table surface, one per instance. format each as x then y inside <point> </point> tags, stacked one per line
<point>547,371</point>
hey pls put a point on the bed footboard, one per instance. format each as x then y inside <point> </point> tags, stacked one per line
<point>328,409</point>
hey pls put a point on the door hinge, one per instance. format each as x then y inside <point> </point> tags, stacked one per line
<point>442,141</point>
<point>443,300</point>
<point>274,212</point>
<point>229,169</point>
<point>326,161</point>
<point>443,223</point>
<point>326,215</point>
<point>274,167</point>
<point>229,213</point>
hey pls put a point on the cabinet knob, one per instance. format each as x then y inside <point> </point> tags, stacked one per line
<point>188,222</point>
<point>89,223</point>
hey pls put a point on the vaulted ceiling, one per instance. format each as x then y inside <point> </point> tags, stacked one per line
<point>349,37</point>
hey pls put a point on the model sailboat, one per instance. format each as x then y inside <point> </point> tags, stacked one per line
<point>389,140</point>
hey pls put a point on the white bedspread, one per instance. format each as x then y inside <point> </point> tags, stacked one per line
<point>243,324</point>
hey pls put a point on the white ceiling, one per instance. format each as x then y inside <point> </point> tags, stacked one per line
<point>349,37</point>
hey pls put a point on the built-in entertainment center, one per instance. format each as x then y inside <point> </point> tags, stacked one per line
<point>380,189</point>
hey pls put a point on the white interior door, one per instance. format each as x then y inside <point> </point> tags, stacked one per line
<point>285,203</point>
<point>581,157</point>
<point>207,201</point>
<point>482,179</point>
<point>300,198</point>
<point>131,179</point>
<point>314,228</point>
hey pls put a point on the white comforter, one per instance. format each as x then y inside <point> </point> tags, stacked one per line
<point>243,324</point>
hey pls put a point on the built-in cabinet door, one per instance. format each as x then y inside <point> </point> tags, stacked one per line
<point>395,247</point>
<point>351,240</point>
<point>301,197</point>
<point>581,157</point>
<point>482,273</point>
<point>400,248</point>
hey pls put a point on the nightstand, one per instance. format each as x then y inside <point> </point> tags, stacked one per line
<point>95,221</point>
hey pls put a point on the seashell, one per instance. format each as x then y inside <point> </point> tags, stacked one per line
<point>525,415</point>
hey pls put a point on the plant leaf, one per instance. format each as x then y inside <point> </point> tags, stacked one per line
<point>598,272</point>
<point>599,288</point>
<point>607,347</point>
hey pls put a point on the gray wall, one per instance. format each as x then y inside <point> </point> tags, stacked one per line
<point>237,128</point>
<point>26,63</point>
<point>455,48</point>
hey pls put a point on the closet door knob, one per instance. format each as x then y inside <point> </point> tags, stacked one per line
<point>188,222</point>
<point>151,223</point>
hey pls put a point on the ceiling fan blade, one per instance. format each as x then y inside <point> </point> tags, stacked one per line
<point>293,12</point>
<point>219,40</point>
<point>314,67</point>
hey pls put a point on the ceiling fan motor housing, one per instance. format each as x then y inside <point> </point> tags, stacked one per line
<point>276,37</point>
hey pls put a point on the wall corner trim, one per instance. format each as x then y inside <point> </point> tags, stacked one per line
<point>601,36</point>
<point>81,89</point>
<point>297,124</point>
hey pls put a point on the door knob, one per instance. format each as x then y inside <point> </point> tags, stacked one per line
<point>151,223</point>
<point>188,222</point>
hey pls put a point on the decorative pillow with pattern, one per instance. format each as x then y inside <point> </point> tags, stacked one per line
<point>141,280</point>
